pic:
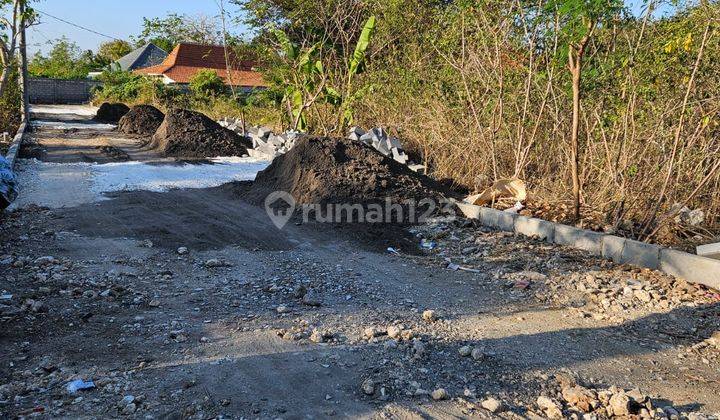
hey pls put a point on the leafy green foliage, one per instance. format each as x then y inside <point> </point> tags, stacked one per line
<point>207,83</point>
<point>64,61</point>
<point>113,50</point>
<point>123,86</point>
<point>358,57</point>
<point>174,28</point>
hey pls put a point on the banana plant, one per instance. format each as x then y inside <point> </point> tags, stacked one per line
<point>356,65</point>
<point>306,80</point>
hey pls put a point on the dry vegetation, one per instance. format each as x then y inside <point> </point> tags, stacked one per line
<point>483,91</point>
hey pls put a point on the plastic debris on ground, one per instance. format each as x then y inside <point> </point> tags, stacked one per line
<point>511,188</point>
<point>79,385</point>
<point>8,184</point>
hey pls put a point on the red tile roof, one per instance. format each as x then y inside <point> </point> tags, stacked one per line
<point>187,59</point>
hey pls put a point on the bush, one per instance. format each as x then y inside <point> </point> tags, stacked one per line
<point>10,107</point>
<point>123,86</point>
<point>206,83</point>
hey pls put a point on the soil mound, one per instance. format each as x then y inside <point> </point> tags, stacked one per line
<point>141,119</point>
<point>325,170</point>
<point>190,134</point>
<point>111,113</point>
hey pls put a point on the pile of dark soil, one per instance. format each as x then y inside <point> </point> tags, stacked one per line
<point>321,170</point>
<point>141,119</point>
<point>111,113</point>
<point>190,134</point>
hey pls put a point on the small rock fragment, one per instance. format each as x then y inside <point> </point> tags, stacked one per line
<point>439,394</point>
<point>429,315</point>
<point>368,387</point>
<point>493,405</point>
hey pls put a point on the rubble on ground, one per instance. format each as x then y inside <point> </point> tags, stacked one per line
<point>513,189</point>
<point>265,143</point>
<point>110,113</point>
<point>142,120</point>
<point>379,139</point>
<point>9,187</point>
<point>189,134</point>
<point>270,145</point>
<point>602,291</point>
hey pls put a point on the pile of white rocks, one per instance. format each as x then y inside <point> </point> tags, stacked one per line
<point>266,144</point>
<point>385,144</point>
<point>269,145</point>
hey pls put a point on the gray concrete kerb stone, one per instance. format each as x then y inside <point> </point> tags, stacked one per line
<point>535,228</point>
<point>14,149</point>
<point>641,254</point>
<point>612,248</point>
<point>501,220</point>
<point>693,268</point>
<point>586,240</point>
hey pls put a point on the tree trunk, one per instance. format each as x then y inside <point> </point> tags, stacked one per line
<point>22,66</point>
<point>3,79</point>
<point>576,71</point>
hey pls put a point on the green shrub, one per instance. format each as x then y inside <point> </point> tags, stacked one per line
<point>206,83</point>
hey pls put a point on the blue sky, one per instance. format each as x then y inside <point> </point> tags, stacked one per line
<point>117,18</point>
<point>123,18</point>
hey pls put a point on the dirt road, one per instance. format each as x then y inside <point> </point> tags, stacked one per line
<point>190,303</point>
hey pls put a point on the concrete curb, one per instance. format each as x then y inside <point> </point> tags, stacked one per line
<point>693,268</point>
<point>14,149</point>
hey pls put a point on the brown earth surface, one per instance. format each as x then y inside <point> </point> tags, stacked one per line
<point>192,304</point>
<point>111,112</point>
<point>190,134</point>
<point>142,120</point>
<point>322,170</point>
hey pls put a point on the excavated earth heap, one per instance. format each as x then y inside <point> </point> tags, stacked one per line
<point>188,134</point>
<point>334,170</point>
<point>111,113</point>
<point>143,120</point>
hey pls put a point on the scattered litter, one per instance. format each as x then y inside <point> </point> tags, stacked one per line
<point>393,251</point>
<point>79,385</point>
<point>512,188</point>
<point>453,267</point>
<point>515,209</point>
<point>8,184</point>
<point>6,297</point>
<point>427,244</point>
<point>687,216</point>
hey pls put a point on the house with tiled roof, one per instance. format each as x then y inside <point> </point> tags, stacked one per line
<point>146,56</point>
<point>186,59</point>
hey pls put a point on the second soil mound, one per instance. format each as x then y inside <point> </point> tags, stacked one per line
<point>325,170</point>
<point>190,134</point>
<point>141,119</point>
<point>111,113</point>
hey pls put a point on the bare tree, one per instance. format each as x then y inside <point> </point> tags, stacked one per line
<point>8,39</point>
<point>22,62</point>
